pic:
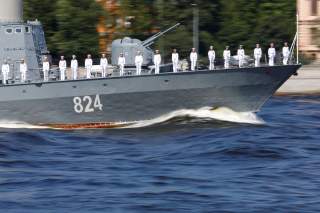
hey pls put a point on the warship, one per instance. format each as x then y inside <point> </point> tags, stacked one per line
<point>117,100</point>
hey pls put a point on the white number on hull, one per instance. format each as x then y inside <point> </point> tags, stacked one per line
<point>97,103</point>
<point>78,108</point>
<point>88,100</point>
<point>84,104</point>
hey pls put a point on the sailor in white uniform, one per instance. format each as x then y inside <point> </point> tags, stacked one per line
<point>45,69</point>
<point>5,69</point>
<point>212,57</point>
<point>157,62</point>
<point>74,67</point>
<point>62,68</point>
<point>138,62</point>
<point>121,63</point>
<point>257,55</point>
<point>193,59</point>
<point>175,60</point>
<point>88,64</point>
<point>104,65</point>
<point>241,55</point>
<point>285,53</point>
<point>271,54</point>
<point>226,57</point>
<point>23,71</point>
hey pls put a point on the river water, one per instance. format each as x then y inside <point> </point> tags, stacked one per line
<point>197,161</point>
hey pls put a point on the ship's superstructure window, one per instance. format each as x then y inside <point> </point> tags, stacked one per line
<point>315,32</point>
<point>9,30</point>
<point>314,7</point>
<point>18,30</point>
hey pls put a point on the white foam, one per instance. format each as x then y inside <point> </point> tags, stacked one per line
<point>18,125</point>
<point>220,114</point>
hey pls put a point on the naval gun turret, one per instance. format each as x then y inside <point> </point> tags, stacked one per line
<point>20,40</point>
<point>129,47</point>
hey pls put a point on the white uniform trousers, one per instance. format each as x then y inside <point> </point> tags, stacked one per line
<point>4,78</point>
<point>226,63</point>
<point>46,75</point>
<point>211,64</point>
<point>23,77</point>
<point>257,61</point>
<point>193,65</point>
<point>74,73</point>
<point>271,61</point>
<point>138,68</point>
<point>104,71</point>
<point>121,69</point>
<point>157,68</point>
<point>175,65</point>
<point>241,61</point>
<point>62,74</point>
<point>88,69</point>
<point>285,60</point>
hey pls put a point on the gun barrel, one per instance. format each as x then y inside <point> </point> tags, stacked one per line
<point>150,40</point>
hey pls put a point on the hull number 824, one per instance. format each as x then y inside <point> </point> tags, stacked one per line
<point>87,104</point>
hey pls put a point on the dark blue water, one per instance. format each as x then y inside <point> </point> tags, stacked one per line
<point>185,165</point>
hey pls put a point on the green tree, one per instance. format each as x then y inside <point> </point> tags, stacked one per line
<point>44,11</point>
<point>169,12</point>
<point>249,22</point>
<point>276,22</point>
<point>238,19</point>
<point>70,25</point>
<point>77,27</point>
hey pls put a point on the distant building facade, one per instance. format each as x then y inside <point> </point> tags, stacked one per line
<point>309,28</point>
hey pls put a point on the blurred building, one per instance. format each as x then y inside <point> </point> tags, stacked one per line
<point>111,28</point>
<point>107,27</point>
<point>309,27</point>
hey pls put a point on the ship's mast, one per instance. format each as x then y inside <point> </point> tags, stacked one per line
<point>195,26</point>
<point>297,37</point>
<point>11,10</point>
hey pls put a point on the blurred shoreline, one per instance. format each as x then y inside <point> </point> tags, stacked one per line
<point>307,82</point>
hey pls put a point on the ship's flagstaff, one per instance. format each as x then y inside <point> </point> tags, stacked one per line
<point>297,38</point>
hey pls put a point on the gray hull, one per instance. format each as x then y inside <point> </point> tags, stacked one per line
<point>133,98</point>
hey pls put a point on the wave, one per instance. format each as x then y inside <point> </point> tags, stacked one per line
<point>203,114</point>
<point>218,114</point>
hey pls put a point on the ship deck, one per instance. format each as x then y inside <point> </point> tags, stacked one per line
<point>115,75</point>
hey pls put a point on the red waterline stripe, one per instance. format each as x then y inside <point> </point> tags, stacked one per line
<point>85,126</point>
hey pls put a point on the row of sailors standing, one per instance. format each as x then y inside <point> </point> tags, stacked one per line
<point>5,69</point>
<point>212,56</point>
<point>139,61</point>
<point>257,55</point>
<point>88,66</point>
<point>157,61</point>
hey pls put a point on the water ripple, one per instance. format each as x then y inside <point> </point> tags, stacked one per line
<point>181,164</point>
